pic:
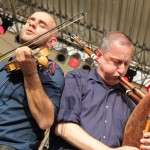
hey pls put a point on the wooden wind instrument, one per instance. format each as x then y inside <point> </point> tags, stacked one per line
<point>131,91</point>
<point>138,120</point>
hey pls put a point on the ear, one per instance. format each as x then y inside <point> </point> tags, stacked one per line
<point>51,42</point>
<point>98,53</point>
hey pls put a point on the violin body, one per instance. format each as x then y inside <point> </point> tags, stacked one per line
<point>41,57</point>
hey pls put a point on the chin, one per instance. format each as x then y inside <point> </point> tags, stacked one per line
<point>25,39</point>
<point>112,83</point>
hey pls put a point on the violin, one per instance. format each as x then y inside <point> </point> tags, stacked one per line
<point>41,58</point>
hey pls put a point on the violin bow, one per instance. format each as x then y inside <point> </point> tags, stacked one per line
<point>46,34</point>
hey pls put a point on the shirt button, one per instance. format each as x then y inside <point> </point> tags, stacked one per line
<point>106,106</point>
<point>105,121</point>
<point>104,137</point>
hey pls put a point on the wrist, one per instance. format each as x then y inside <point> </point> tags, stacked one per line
<point>30,74</point>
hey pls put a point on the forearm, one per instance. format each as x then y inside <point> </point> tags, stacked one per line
<point>76,136</point>
<point>40,105</point>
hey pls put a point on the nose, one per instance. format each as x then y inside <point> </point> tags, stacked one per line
<point>33,23</point>
<point>122,69</point>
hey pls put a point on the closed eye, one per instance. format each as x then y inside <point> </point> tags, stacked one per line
<point>117,62</point>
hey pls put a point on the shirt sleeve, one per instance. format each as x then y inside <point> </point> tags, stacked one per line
<point>70,106</point>
<point>53,86</point>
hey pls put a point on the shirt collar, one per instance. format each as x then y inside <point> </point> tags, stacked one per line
<point>96,77</point>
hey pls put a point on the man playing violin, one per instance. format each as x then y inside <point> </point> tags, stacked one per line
<point>29,98</point>
<point>94,108</point>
